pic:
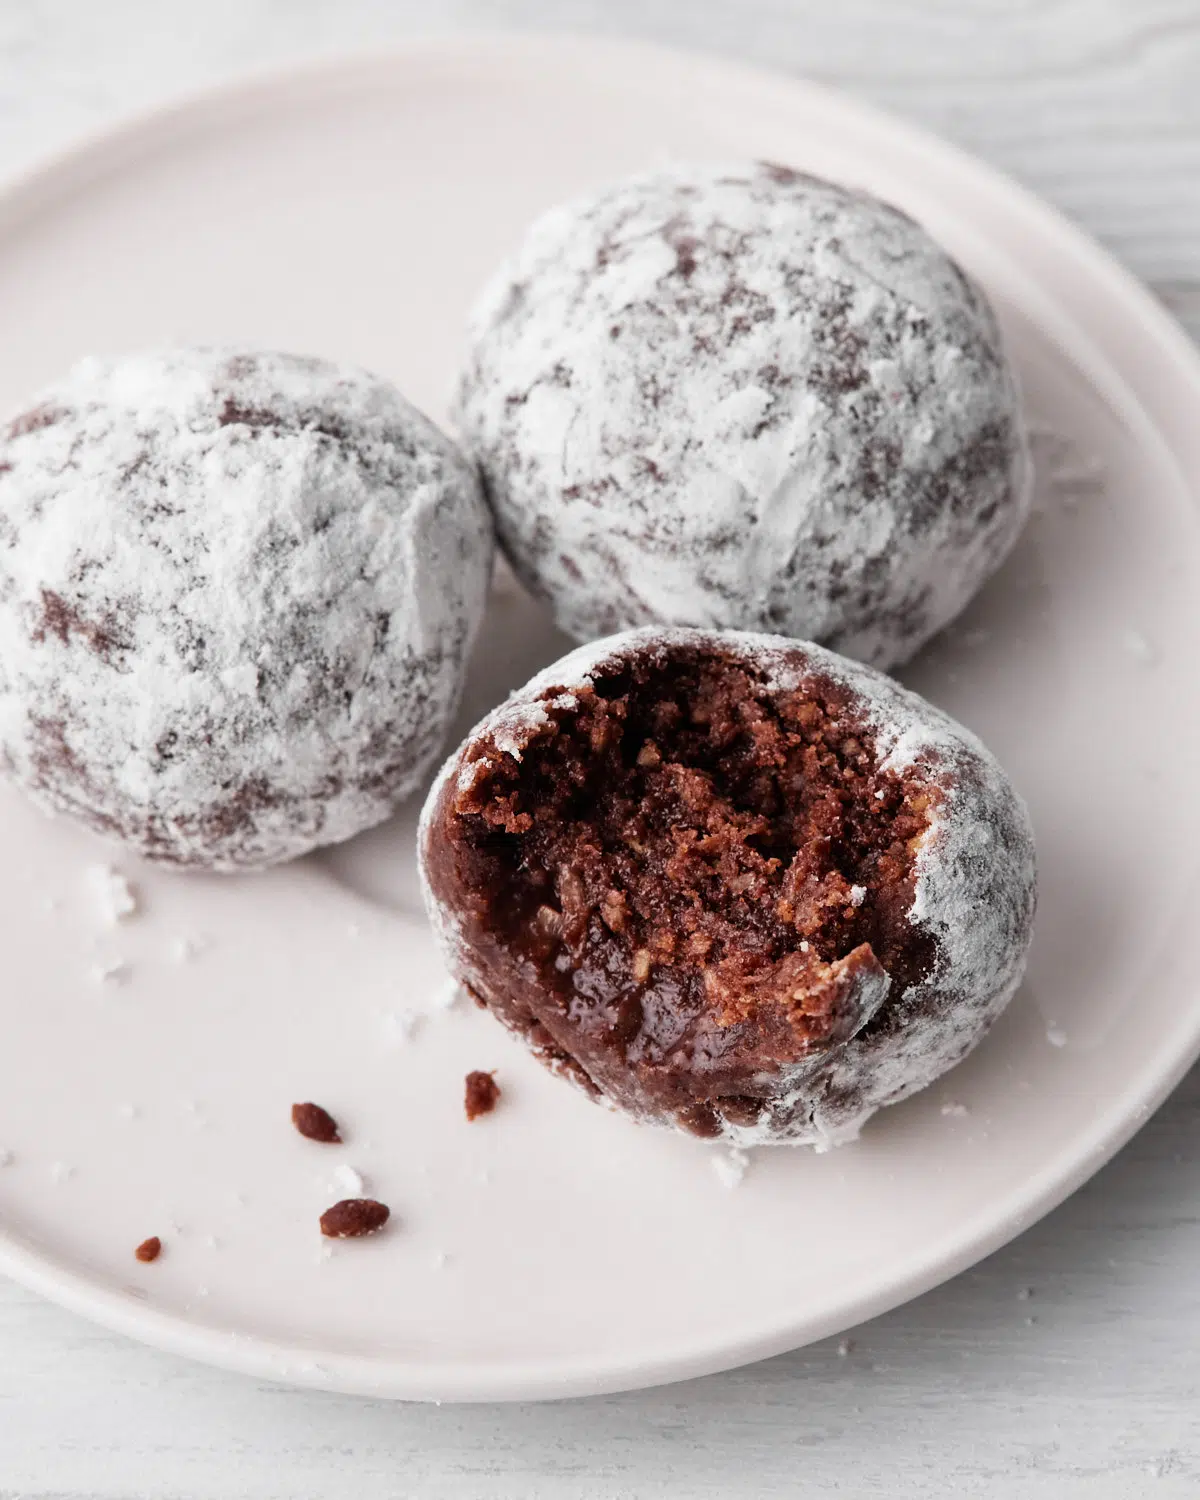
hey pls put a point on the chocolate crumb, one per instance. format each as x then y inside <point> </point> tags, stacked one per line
<point>149,1249</point>
<point>353,1217</point>
<point>316,1124</point>
<point>482,1093</point>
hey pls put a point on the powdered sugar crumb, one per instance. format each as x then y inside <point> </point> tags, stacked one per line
<point>110,971</point>
<point>61,1171</point>
<point>1056,1036</point>
<point>845,1348</point>
<point>730,1166</point>
<point>955,1111</point>
<point>347,1182</point>
<point>400,1026</point>
<point>115,899</point>
<point>439,1260</point>
<point>6,1157</point>
<point>858,894</point>
<point>185,949</point>
<point>128,1111</point>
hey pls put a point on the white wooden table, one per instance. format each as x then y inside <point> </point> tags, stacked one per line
<point>1066,1365</point>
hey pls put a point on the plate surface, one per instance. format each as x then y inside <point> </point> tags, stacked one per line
<point>553,1248</point>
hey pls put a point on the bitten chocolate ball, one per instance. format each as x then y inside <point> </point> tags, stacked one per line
<point>236,594</point>
<point>745,398</point>
<point>731,883</point>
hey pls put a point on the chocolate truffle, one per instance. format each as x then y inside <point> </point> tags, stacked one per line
<point>236,594</point>
<point>731,883</point>
<point>742,397</point>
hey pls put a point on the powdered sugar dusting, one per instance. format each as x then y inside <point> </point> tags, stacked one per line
<point>238,589</point>
<point>974,889</point>
<point>740,396</point>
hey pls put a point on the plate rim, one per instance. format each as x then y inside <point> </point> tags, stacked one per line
<point>394,1376</point>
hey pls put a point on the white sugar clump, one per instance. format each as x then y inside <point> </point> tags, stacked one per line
<point>237,590</point>
<point>737,396</point>
<point>730,1166</point>
<point>974,892</point>
<point>114,897</point>
<point>347,1182</point>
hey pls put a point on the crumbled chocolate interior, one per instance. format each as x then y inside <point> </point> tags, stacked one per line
<point>692,863</point>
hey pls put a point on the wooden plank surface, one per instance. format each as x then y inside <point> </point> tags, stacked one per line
<point>1064,1366</point>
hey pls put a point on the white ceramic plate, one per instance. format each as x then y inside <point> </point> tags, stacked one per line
<point>554,1248</point>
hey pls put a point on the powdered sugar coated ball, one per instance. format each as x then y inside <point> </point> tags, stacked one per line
<point>745,398</point>
<point>730,883</point>
<point>236,594</point>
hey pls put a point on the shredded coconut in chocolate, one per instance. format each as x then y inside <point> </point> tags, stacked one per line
<point>730,882</point>
<point>744,397</point>
<point>236,594</point>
